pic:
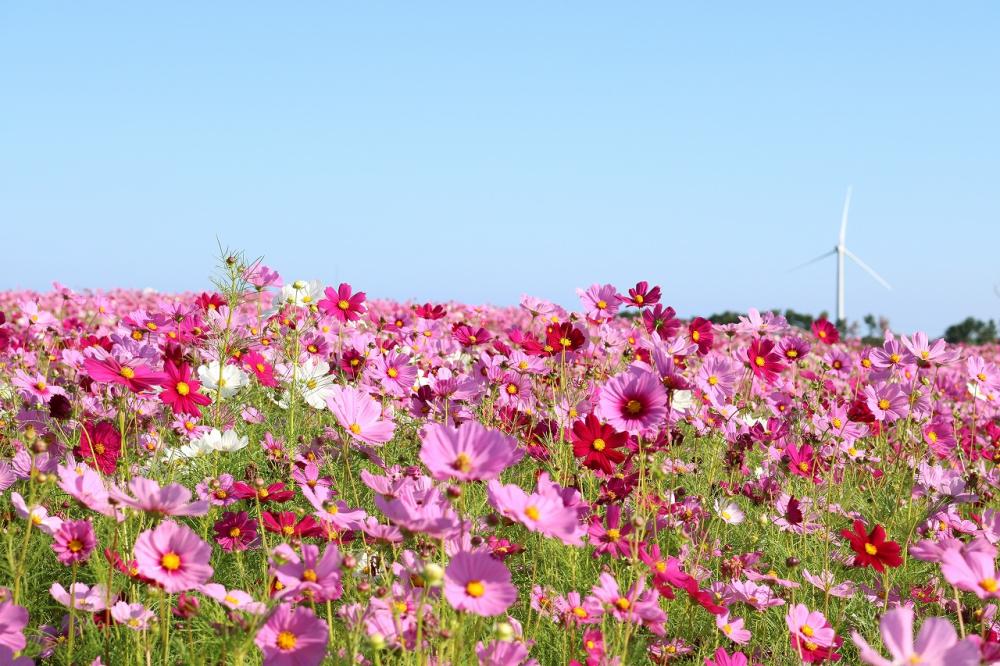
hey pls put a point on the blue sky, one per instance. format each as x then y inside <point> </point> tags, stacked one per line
<point>483,150</point>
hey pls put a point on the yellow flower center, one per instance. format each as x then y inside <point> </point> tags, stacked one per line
<point>182,388</point>
<point>871,549</point>
<point>462,463</point>
<point>355,428</point>
<point>392,372</point>
<point>696,336</point>
<point>614,534</point>
<point>712,380</point>
<point>532,512</point>
<point>512,389</point>
<point>760,361</point>
<point>344,305</point>
<point>127,372</point>
<point>989,584</point>
<point>309,575</point>
<point>633,406</point>
<point>475,589</point>
<point>883,404</point>
<point>75,545</point>
<point>807,630</point>
<point>623,603</point>
<point>171,561</point>
<point>230,599</point>
<point>599,444</point>
<point>235,532</point>
<point>601,305</point>
<point>286,641</point>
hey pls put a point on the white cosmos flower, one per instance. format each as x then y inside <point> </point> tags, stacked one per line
<point>227,442</point>
<point>193,449</point>
<point>730,512</point>
<point>232,378</point>
<point>313,382</point>
<point>681,400</point>
<point>302,293</point>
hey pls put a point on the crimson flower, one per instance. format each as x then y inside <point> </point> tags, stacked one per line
<point>598,443</point>
<point>468,336</point>
<point>661,322</point>
<point>428,311</point>
<point>273,493</point>
<point>825,331</point>
<point>871,548</point>
<point>100,446</point>
<point>764,361</point>
<point>564,337</point>
<point>700,332</point>
<point>287,524</point>
<point>641,295</point>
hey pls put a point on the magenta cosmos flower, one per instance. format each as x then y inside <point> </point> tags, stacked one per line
<point>470,452</point>
<point>292,637</point>
<point>133,375</point>
<point>478,584</point>
<point>633,401</point>
<point>180,390</point>
<point>342,304</point>
<point>74,541</point>
<point>170,500</point>
<point>173,556</point>
<point>360,415</point>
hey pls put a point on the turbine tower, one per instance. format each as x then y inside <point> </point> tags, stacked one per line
<point>841,251</point>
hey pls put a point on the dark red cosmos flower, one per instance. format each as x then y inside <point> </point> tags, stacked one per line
<point>129,568</point>
<point>100,446</point>
<point>598,443</point>
<point>763,360</point>
<point>563,337</point>
<point>236,531</point>
<point>207,301</point>
<point>428,311</point>
<point>342,304</point>
<point>641,295</point>
<point>273,493</point>
<point>352,362</point>
<point>700,332</point>
<point>287,524</point>
<point>825,331</point>
<point>793,512</point>
<point>813,653</point>
<point>871,548</point>
<point>470,337</point>
<point>180,390</point>
<point>661,322</point>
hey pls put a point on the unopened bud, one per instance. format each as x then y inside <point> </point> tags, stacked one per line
<point>433,574</point>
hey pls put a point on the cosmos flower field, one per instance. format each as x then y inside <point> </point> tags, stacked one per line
<point>285,472</point>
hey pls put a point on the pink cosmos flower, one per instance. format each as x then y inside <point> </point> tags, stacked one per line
<point>309,576</point>
<point>173,556</point>
<point>35,388</point>
<point>733,628</point>
<point>74,541</point>
<point>133,375</point>
<point>233,599</point>
<point>937,643</point>
<point>723,658</point>
<point>470,452</point>
<point>342,304</point>
<point>133,616</point>
<point>292,636</point>
<point>80,597</point>
<point>542,512</point>
<point>634,401</point>
<point>37,514</point>
<point>360,415</point>
<point>886,402</point>
<point>600,302</point>
<point>476,583</point>
<point>972,569</point>
<point>810,627</point>
<point>170,500</point>
<point>13,619</point>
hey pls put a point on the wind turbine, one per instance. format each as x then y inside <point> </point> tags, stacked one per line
<point>840,249</point>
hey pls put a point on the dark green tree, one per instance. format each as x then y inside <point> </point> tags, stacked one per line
<point>972,331</point>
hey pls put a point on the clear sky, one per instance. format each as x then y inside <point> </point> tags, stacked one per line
<point>483,150</point>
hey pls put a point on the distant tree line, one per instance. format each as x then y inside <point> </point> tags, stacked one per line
<point>969,331</point>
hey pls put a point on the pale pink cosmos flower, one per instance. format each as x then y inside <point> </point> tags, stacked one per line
<point>81,597</point>
<point>174,556</point>
<point>809,626</point>
<point>233,599</point>
<point>826,582</point>
<point>37,514</point>
<point>733,628</point>
<point>134,616</point>
<point>170,500</point>
<point>600,302</point>
<point>937,643</point>
<point>477,583</point>
<point>360,415</point>
<point>972,569</point>
<point>35,387</point>
<point>470,452</point>
<point>13,620</point>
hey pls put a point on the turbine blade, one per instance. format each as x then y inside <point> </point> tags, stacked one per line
<point>868,269</point>
<point>843,217</point>
<point>813,261</point>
